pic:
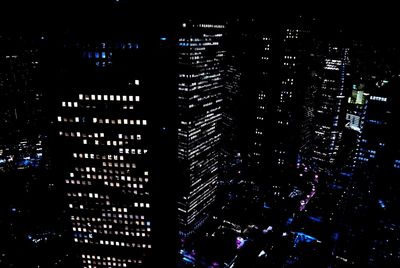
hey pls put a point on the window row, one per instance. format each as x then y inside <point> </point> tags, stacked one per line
<point>78,219</point>
<point>80,134</point>
<point>132,151</point>
<point>120,121</point>
<point>90,195</point>
<point>97,156</point>
<point>108,98</point>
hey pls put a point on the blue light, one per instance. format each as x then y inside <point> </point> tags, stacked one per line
<point>381,203</point>
<point>316,219</point>
<point>97,55</point>
<point>335,236</point>
<point>103,55</point>
<point>163,38</point>
<point>188,260</point>
<point>335,186</point>
<point>302,237</point>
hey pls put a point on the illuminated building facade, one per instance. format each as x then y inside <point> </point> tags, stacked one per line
<point>200,84</point>
<point>103,128</point>
<point>374,133</point>
<point>355,118</point>
<point>329,110</point>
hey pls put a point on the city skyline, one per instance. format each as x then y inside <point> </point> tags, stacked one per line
<point>199,139</point>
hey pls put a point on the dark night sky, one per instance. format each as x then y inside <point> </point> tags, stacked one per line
<point>376,20</point>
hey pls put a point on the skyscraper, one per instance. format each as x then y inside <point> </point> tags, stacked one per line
<point>290,94</point>
<point>110,130</point>
<point>200,85</point>
<point>329,110</point>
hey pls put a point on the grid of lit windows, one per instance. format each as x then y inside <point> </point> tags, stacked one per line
<point>199,103</point>
<point>330,102</point>
<point>108,184</point>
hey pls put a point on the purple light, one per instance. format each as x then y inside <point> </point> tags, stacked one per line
<point>239,242</point>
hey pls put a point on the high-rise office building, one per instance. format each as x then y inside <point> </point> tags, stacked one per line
<point>329,110</point>
<point>293,79</point>
<point>108,185</point>
<point>230,147</point>
<point>355,117</point>
<point>263,60</point>
<point>200,84</point>
<point>110,133</point>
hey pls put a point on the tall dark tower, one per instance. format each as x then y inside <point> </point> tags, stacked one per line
<point>292,87</point>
